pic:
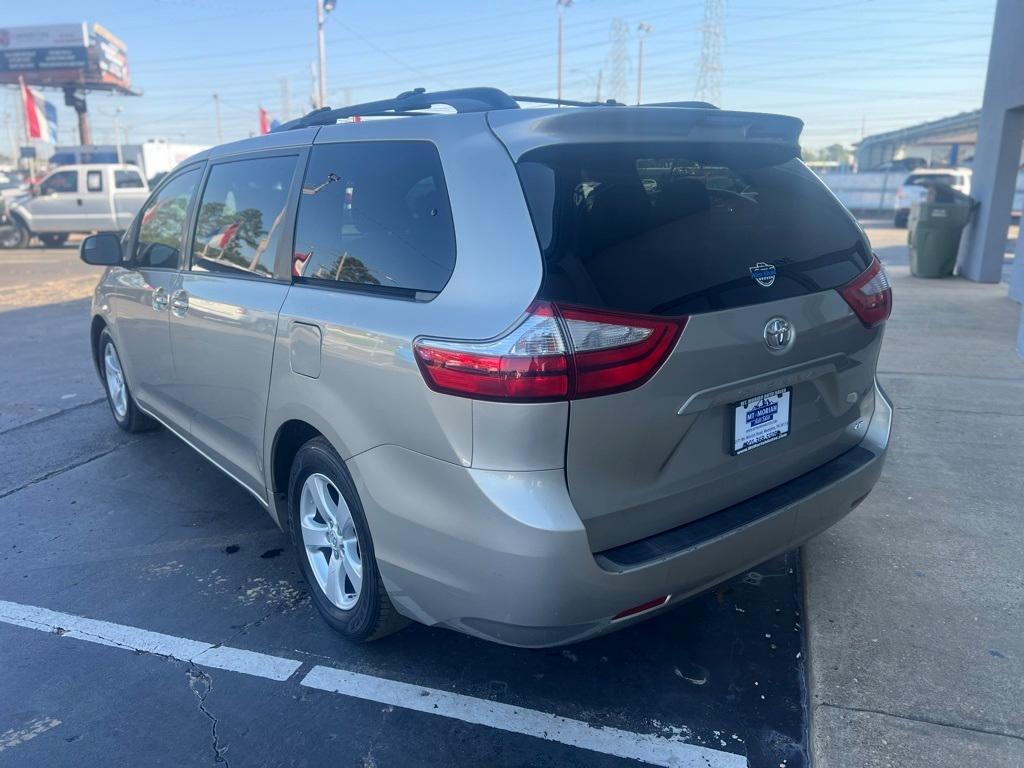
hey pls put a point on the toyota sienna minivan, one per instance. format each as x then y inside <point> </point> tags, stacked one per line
<point>533,374</point>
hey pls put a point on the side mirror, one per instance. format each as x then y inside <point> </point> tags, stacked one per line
<point>102,250</point>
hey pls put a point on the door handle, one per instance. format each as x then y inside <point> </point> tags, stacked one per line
<point>79,201</point>
<point>159,299</point>
<point>179,303</point>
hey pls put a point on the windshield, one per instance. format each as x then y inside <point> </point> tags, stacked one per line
<point>669,229</point>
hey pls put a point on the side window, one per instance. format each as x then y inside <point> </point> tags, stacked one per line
<point>61,181</point>
<point>162,223</point>
<point>127,180</point>
<point>241,216</point>
<point>375,214</point>
<point>94,181</point>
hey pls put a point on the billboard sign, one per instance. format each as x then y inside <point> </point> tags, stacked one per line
<point>62,55</point>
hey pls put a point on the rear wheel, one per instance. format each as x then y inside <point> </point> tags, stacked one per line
<point>53,240</point>
<point>900,220</point>
<point>334,548</point>
<point>122,405</point>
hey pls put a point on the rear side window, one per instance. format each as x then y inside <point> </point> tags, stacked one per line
<point>241,216</point>
<point>162,223</point>
<point>375,215</point>
<point>668,229</point>
<point>127,180</point>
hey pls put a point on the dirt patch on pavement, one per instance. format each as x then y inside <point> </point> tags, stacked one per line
<point>23,295</point>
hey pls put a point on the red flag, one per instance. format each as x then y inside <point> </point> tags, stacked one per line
<point>28,99</point>
<point>264,121</point>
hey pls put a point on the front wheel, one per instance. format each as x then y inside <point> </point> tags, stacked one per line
<point>122,405</point>
<point>53,240</point>
<point>334,548</point>
<point>14,235</point>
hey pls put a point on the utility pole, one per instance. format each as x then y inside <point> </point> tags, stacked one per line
<point>709,73</point>
<point>643,29</point>
<point>562,5</point>
<point>618,88</point>
<point>286,100</point>
<point>600,74</point>
<point>216,106</point>
<point>323,7</point>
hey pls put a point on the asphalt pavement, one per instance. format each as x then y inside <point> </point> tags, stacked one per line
<point>148,607</point>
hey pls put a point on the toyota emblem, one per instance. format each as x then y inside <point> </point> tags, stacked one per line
<point>778,334</point>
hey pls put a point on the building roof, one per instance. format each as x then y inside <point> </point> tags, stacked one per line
<point>961,128</point>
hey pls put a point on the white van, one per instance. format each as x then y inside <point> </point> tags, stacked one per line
<point>77,198</point>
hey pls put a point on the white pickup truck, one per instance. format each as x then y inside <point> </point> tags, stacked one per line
<point>76,198</point>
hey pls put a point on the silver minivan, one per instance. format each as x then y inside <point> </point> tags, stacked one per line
<point>529,373</point>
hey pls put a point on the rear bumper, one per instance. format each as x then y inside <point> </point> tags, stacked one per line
<point>504,556</point>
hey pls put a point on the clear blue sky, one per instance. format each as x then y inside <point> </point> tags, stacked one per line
<point>842,66</point>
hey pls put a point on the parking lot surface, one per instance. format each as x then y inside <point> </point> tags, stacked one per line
<point>151,614</point>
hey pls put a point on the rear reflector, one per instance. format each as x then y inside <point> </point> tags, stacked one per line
<point>650,605</point>
<point>556,353</point>
<point>869,294</point>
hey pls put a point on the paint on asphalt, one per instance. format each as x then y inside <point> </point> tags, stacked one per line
<point>648,748</point>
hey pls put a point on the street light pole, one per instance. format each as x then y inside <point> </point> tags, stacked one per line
<point>117,135</point>
<point>323,7</point>
<point>643,29</point>
<point>562,5</point>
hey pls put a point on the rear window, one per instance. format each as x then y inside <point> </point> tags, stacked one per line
<point>127,180</point>
<point>677,229</point>
<point>925,179</point>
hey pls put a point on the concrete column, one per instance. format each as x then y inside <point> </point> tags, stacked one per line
<point>993,182</point>
<point>1000,133</point>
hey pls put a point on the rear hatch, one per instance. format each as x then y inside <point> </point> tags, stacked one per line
<point>708,217</point>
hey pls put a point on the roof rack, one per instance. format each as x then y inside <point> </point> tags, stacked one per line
<point>409,103</point>
<point>414,102</point>
<point>567,102</point>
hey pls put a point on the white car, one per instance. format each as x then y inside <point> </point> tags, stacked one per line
<point>76,198</point>
<point>914,188</point>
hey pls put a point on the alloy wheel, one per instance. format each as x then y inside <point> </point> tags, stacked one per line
<point>115,381</point>
<point>331,541</point>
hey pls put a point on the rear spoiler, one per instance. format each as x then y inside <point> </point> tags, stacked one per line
<point>522,131</point>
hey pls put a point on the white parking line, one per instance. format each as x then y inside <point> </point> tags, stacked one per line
<point>134,639</point>
<point>648,748</point>
<point>656,750</point>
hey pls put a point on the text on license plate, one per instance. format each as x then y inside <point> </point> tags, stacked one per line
<point>760,420</point>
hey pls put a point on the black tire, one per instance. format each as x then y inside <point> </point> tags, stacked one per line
<point>132,420</point>
<point>53,240</point>
<point>373,616</point>
<point>900,220</point>
<point>14,236</point>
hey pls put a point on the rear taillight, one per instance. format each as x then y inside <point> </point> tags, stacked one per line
<point>869,294</point>
<point>557,352</point>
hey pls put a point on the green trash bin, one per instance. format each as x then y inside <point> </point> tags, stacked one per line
<point>934,231</point>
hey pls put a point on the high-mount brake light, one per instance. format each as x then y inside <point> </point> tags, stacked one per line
<point>558,352</point>
<point>869,294</point>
